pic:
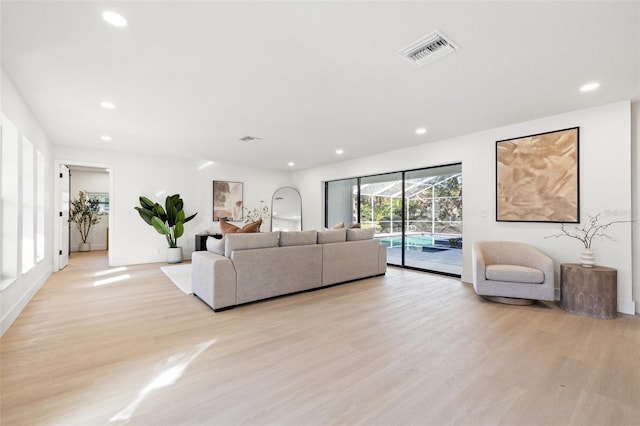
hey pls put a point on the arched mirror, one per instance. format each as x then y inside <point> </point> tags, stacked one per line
<point>286,210</point>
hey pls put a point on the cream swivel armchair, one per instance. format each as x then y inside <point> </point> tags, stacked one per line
<point>512,272</point>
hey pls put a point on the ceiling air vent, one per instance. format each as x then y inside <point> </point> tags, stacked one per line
<point>428,49</point>
<point>249,139</point>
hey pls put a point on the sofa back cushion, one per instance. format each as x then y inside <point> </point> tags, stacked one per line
<point>508,253</point>
<point>298,238</point>
<point>360,234</point>
<point>332,236</point>
<point>235,242</point>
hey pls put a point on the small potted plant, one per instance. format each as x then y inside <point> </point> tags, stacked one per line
<point>85,212</point>
<point>168,221</point>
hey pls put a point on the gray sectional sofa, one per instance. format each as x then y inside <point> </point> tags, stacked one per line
<point>243,268</point>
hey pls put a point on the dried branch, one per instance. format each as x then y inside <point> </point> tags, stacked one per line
<point>590,230</point>
<point>257,213</point>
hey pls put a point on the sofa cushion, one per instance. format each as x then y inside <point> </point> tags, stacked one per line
<point>215,245</point>
<point>298,238</point>
<point>514,273</point>
<point>360,234</point>
<point>350,261</point>
<point>230,228</point>
<point>245,241</point>
<point>332,236</point>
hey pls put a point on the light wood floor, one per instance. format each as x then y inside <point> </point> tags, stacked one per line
<point>407,348</point>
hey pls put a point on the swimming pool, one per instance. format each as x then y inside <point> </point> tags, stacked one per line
<point>415,242</point>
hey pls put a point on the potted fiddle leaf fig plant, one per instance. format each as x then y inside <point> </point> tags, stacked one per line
<point>85,212</point>
<point>168,221</point>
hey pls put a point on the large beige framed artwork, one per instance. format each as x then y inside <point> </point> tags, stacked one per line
<point>537,178</point>
<point>227,200</point>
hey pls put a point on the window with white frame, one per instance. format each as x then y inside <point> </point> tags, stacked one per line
<point>9,207</point>
<point>40,196</point>
<point>28,210</point>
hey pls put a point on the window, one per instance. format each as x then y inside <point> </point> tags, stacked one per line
<point>342,202</point>
<point>103,199</point>
<point>381,203</point>
<point>9,206</point>
<point>417,214</point>
<point>28,211</point>
<point>40,195</point>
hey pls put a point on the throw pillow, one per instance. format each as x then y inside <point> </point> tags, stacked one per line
<point>215,245</point>
<point>354,226</point>
<point>230,228</point>
<point>338,225</point>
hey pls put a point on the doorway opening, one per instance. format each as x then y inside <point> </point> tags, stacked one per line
<point>96,180</point>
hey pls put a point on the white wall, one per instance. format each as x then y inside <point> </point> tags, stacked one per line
<point>16,296</point>
<point>132,241</point>
<point>605,184</point>
<point>92,182</point>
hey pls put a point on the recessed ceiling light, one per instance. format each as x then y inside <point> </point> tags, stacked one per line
<point>291,164</point>
<point>339,151</point>
<point>105,138</point>
<point>421,131</point>
<point>115,19</point>
<point>589,87</point>
<point>108,105</point>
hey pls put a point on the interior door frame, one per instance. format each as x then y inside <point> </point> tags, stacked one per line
<point>57,194</point>
<point>63,169</point>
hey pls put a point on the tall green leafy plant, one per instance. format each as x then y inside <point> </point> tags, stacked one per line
<point>85,212</point>
<point>168,221</point>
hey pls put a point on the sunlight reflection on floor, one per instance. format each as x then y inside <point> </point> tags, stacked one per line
<point>111,280</point>
<point>174,367</point>
<point>110,271</point>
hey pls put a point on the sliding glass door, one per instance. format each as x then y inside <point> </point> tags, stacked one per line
<point>381,208</point>
<point>433,229</point>
<point>417,214</point>
<point>341,202</point>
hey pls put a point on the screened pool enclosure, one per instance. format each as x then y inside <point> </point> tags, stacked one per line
<point>417,214</point>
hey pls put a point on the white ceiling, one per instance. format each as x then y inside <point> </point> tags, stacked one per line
<point>191,78</point>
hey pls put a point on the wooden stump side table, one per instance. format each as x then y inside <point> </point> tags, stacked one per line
<point>591,292</point>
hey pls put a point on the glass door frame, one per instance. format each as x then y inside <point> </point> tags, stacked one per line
<point>403,227</point>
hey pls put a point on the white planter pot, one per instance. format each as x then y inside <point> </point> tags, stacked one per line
<point>587,259</point>
<point>174,255</point>
<point>84,247</point>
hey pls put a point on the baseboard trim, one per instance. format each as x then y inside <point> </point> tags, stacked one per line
<point>626,306</point>
<point>22,303</point>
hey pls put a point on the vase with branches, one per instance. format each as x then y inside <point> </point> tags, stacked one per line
<point>595,227</point>
<point>85,212</point>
